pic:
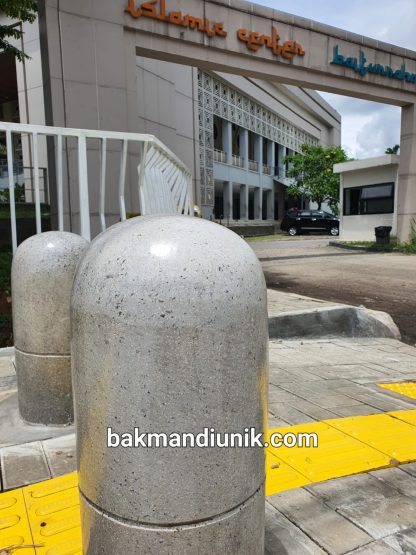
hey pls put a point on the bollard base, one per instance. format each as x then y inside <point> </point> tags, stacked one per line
<point>237,532</point>
<point>44,389</point>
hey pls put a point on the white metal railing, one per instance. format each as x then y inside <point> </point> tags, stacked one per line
<point>253,165</point>
<point>238,161</point>
<point>164,182</point>
<point>220,156</point>
<point>267,170</point>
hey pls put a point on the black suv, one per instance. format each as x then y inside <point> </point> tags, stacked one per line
<point>310,221</point>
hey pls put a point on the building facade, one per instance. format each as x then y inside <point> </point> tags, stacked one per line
<point>232,131</point>
<point>368,196</point>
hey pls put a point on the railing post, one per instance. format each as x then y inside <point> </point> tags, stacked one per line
<point>84,203</point>
<point>59,183</point>
<point>122,181</point>
<point>153,362</point>
<point>142,171</point>
<point>35,150</point>
<point>9,145</point>
<point>103,169</point>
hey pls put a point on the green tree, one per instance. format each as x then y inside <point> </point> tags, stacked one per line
<point>17,11</point>
<point>393,149</point>
<point>313,175</point>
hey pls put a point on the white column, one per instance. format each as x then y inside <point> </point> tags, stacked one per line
<point>244,146</point>
<point>270,204</point>
<point>258,203</point>
<point>270,155</point>
<point>406,197</point>
<point>228,200</point>
<point>227,140</point>
<point>258,152</point>
<point>244,202</point>
<point>281,155</point>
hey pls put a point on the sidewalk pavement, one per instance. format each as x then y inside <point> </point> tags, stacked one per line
<point>371,513</point>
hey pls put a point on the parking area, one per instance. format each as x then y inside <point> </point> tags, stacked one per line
<point>377,281</point>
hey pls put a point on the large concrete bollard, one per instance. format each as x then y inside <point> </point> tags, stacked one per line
<point>169,335</point>
<point>42,275</point>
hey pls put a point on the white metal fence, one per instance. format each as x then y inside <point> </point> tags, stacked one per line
<point>164,182</point>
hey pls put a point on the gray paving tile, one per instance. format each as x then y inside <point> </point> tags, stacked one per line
<point>333,400</point>
<point>276,422</point>
<point>379,547</point>
<point>403,542</point>
<point>330,530</point>
<point>409,468</point>
<point>6,367</point>
<point>7,352</point>
<point>383,518</point>
<point>397,478</point>
<point>311,409</point>
<point>289,414</point>
<point>283,537</point>
<point>356,410</point>
<point>277,395</point>
<point>23,464</point>
<point>353,490</point>
<point>61,454</point>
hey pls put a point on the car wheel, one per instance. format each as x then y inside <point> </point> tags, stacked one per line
<point>334,231</point>
<point>292,231</point>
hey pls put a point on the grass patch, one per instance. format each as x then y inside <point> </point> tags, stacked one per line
<point>5,269</point>
<point>6,331</point>
<point>393,246</point>
<point>276,237</point>
<point>23,211</point>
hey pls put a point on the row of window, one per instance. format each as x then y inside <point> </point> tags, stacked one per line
<point>369,199</point>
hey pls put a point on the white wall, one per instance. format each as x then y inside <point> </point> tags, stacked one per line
<point>361,228</point>
<point>166,108</point>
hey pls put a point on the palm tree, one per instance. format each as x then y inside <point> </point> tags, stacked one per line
<point>393,150</point>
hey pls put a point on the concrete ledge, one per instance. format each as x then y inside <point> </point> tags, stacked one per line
<point>349,247</point>
<point>338,320</point>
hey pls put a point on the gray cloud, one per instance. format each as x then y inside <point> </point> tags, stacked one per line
<point>368,128</point>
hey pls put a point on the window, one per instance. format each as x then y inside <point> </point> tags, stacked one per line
<point>316,214</point>
<point>369,199</point>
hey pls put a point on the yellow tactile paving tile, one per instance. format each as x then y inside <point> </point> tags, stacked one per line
<point>53,509</point>
<point>280,476</point>
<point>408,416</point>
<point>14,524</point>
<point>337,454</point>
<point>406,388</point>
<point>389,435</point>
<point>44,519</point>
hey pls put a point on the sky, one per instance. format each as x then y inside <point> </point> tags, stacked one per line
<point>368,128</point>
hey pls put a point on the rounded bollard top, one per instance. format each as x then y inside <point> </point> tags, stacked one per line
<point>149,261</point>
<point>43,270</point>
<point>50,247</point>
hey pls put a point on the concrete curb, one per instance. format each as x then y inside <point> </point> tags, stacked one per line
<point>349,247</point>
<point>333,321</point>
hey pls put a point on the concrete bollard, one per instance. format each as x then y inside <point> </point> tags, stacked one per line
<point>169,335</point>
<point>43,270</point>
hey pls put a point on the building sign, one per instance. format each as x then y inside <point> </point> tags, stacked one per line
<point>156,9</point>
<point>255,40</point>
<point>149,9</point>
<point>359,65</point>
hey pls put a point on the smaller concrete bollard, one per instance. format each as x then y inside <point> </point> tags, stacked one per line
<point>42,275</point>
<point>169,336</point>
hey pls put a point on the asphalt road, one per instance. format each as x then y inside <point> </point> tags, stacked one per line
<point>310,267</point>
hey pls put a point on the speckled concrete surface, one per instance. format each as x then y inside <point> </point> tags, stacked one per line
<point>42,274</point>
<point>170,335</point>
